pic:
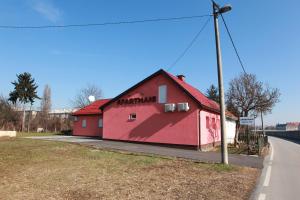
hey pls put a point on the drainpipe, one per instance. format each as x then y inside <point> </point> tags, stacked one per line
<point>199,131</point>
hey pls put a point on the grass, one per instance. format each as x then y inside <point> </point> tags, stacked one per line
<point>35,169</point>
<point>31,134</point>
<point>243,149</point>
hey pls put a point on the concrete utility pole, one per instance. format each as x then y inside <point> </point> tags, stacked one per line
<point>216,12</point>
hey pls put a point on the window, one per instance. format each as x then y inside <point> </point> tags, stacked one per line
<point>207,122</point>
<point>83,123</point>
<point>214,123</point>
<point>100,123</point>
<point>162,94</point>
<point>75,119</point>
<point>132,116</point>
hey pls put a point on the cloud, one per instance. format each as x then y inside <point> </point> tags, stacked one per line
<point>47,9</point>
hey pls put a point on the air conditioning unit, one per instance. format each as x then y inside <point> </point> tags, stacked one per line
<point>170,107</point>
<point>183,107</point>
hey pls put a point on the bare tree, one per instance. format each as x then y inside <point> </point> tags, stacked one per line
<point>267,101</point>
<point>247,96</point>
<point>45,107</point>
<point>9,118</point>
<point>82,98</point>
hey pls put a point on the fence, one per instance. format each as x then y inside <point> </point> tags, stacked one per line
<point>255,141</point>
<point>292,135</point>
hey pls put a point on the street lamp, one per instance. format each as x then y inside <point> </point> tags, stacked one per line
<point>217,10</point>
<point>225,9</point>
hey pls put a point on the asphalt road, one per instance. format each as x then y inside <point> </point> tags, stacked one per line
<point>210,157</point>
<point>280,178</point>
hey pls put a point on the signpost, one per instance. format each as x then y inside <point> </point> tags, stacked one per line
<point>247,121</point>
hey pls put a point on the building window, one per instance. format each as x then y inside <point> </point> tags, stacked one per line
<point>100,123</point>
<point>218,124</point>
<point>162,94</point>
<point>207,122</point>
<point>132,116</point>
<point>75,119</point>
<point>83,123</point>
<point>214,126</point>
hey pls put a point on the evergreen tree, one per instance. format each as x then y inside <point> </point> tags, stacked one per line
<point>24,92</point>
<point>212,93</point>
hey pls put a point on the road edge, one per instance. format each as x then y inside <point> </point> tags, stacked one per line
<point>260,180</point>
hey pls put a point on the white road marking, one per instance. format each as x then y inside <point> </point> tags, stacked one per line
<point>262,196</point>
<point>268,176</point>
<point>272,152</point>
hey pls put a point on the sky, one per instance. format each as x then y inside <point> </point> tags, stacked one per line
<point>116,57</point>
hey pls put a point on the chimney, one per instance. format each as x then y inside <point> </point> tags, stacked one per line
<point>181,77</point>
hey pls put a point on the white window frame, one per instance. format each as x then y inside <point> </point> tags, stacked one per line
<point>100,123</point>
<point>84,123</point>
<point>162,93</point>
<point>132,116</point>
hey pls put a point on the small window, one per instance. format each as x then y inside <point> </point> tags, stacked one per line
<point>132,116</point>
<point>162,94</point>
<point>75,119</point>
<point>214,126</point>
<point>207,122</point>
<point>100,123</point>
<point>83,123</point>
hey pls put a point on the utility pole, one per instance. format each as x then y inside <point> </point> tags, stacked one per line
<point>216,12</point>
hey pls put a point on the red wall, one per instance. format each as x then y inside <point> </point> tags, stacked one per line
<point>152,123</point>
<point>91,126</point>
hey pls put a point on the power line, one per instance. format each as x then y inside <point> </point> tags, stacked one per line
<point>104,23</point>
<point>232,42</point>
<point>189,45</point>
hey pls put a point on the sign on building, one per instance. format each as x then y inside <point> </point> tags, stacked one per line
<point>246,121</point>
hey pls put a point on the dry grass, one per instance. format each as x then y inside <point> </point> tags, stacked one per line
<point>30,134</point>
<point>34,169</point>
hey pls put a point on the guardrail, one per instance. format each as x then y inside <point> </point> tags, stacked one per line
<point>293,135</point>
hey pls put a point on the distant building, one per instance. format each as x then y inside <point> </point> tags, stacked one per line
<point>281,127</point>
<point>56,113</point>
<point>61,113</point>
<point>290,126</point>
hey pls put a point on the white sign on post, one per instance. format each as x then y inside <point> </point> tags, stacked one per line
<point>246,121</point>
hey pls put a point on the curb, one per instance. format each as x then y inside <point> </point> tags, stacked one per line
<point>259,182</point>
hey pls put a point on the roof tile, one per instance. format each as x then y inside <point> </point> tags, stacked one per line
<point>92,109</point>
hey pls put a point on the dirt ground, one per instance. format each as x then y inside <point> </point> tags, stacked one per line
<point>35,169</point>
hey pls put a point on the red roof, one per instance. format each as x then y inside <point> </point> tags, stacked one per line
<point>199,96</point>
<point>93,108</point>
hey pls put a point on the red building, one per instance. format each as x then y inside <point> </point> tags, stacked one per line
<point>88,120</point>
<point>160,109</point>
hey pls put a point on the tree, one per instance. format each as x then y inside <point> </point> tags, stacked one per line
<point>25,92</point>
<point>45,107</point>
<point>9,118</point>
<point>267,101</point>
<point>247,96</point>
<point>212,93</point>
<point>82,98</point>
